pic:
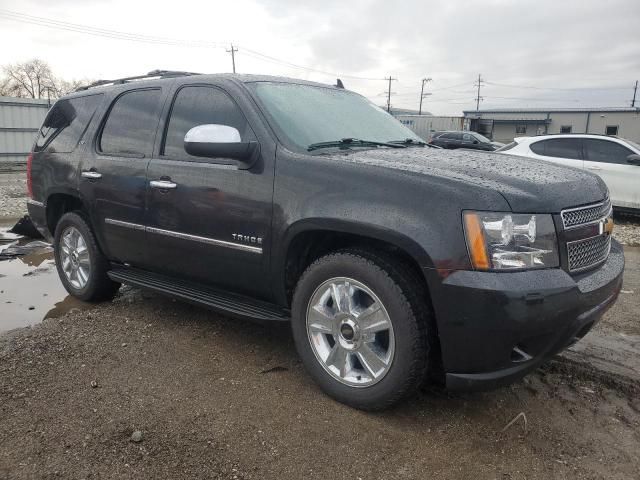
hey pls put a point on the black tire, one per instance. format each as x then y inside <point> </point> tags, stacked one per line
<point>398,290</point>
<point>98,286</point>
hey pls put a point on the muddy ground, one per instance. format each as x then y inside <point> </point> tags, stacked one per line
<point>214,397</point>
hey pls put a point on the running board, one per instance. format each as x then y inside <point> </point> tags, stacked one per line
<point>218,300</point>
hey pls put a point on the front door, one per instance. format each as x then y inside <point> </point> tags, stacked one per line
<point>608,159</point>
<point>208,220</point>
<point>113,179</point>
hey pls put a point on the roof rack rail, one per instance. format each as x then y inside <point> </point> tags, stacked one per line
<point>151,74</point>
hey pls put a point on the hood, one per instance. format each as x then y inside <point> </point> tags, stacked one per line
<point>527,184</point>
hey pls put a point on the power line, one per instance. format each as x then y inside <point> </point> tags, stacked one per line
<point>553,88</point>
<point>134,37</point>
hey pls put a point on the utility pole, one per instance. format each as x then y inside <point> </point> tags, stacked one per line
<point>388,92</point>
<point>478,98</point>
<point>635,89</point>
<point>422,94</point>
<point>233,57</point>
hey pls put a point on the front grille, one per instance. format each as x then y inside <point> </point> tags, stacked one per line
<point>583,254</point>
<point>575,217</point>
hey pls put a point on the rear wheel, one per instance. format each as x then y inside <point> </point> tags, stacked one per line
<point>358,325</point>
<point>81,266</point>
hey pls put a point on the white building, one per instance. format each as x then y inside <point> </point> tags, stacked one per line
<point>503,125</point>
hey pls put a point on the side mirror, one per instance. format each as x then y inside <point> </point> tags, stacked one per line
<point>475,142</point>
<point>633,159</point>
<point>220,141</point>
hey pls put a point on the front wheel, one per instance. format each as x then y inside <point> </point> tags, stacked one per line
<point>358,325</point>
<point>81,266</point>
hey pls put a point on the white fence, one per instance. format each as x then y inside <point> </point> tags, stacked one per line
<point>20,119</point>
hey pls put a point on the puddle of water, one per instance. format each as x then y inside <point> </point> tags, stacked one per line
<point>30,289</point>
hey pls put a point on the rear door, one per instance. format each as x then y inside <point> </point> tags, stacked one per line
<point>608,159</point>
<point>113,178</point>
<point>212,225</point>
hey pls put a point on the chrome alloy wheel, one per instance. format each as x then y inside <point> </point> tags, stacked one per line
<point>350,332</point>
<point>74,256</point>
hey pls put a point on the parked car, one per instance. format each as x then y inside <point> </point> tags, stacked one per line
<point>454,139</point>
<point>282,200</point>
<point>615,160</point>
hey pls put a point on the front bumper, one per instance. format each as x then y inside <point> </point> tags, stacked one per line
<point>494,327</point>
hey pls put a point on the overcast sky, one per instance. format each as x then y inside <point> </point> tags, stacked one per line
<point>576,53</point>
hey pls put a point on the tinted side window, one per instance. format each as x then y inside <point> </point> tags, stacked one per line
<point>467,138</point>
<point>66,122</point>
<point>605,151</point>
<point>131,125</point>
<point>198,105</point>
<point>570,148</point>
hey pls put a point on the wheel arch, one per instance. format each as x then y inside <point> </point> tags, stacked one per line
<point>308,239</point>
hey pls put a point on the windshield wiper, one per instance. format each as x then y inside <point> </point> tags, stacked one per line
<point>408,141</point>
<point>355,142</point>
<point>411,141</point>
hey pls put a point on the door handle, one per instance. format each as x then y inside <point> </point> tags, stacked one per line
<point>90,174</point>
<point>590,167</point>
<point>163,184</point>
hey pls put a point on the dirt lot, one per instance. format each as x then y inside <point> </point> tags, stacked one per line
<point>214,397</point>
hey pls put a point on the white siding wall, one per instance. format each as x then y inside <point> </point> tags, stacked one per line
<point>628,123</point>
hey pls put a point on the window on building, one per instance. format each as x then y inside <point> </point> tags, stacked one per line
<point>565,129</point>
<point>131,125</point>
<point>570,148</point>
<point>611,130</point>
<point>66,122</point>
<point>606,151</point>
<point>521,129</point>
<point>195,106</point>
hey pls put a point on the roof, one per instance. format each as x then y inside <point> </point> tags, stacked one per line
<point>160,75</point>
<point>553,110</point>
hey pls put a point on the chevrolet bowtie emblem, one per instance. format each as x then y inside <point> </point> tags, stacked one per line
<point>606,226</point>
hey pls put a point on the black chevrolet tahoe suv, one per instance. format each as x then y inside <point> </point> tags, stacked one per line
<point>289,201</point>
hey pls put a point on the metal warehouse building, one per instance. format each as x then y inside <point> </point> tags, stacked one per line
<point>503,125</point>
<point>20,119</point>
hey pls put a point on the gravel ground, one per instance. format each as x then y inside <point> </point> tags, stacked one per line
<point>13,195</point>
<point>218,398</point>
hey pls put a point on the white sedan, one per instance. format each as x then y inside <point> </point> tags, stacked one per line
<point>616,160</point>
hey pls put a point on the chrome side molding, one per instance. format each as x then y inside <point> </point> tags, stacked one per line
<point>185,236</point>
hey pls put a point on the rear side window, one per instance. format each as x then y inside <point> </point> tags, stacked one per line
<point>65,123</point>
<point>570,148</point>
<point>200,105</point>
<point>605,151</point>
<point>131,125</point>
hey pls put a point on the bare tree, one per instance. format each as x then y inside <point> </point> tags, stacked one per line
<point>34,79</point>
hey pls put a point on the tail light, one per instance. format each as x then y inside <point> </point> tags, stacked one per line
<point>29,182</point>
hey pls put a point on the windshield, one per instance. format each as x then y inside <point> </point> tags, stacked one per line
<point>306,115</point>
<point>481,138</point>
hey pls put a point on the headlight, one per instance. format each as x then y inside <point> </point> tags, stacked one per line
<point>506,241</point>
